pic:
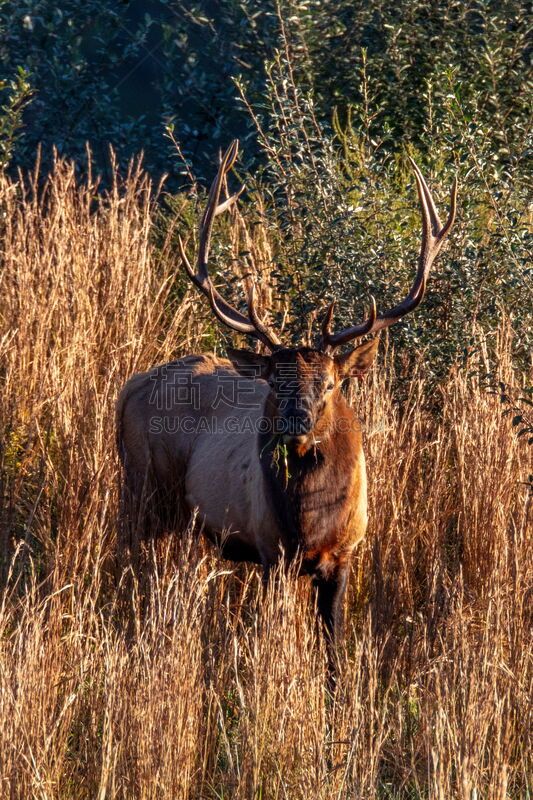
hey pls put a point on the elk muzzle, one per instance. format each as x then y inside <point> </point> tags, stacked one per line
<point>295,420</point>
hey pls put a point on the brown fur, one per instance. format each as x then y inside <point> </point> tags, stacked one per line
<point>257,492</point>
<point>296,484</point>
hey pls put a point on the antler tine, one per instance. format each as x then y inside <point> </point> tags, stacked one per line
<point>326,324</point>
<point>229,319</point>
<point>433,236</point>
<point>225,312</point>
<point>257,321</point>
<point>330,340</point>
<point>213,208</point>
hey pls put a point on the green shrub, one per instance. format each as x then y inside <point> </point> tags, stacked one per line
<point>328,99</point>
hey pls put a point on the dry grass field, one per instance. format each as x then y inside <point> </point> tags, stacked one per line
<point>203,688</point>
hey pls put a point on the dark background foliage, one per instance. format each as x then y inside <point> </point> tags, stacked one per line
<point>117,72</point>
<point>327,99</point>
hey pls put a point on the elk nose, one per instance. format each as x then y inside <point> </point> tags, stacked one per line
<point>298,422</point>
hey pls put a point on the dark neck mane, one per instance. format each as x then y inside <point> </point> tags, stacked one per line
<point>308,488</point>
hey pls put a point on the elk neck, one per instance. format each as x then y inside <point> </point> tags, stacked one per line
<point>309,482</point>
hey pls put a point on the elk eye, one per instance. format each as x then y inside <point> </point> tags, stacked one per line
<point>330,386</point>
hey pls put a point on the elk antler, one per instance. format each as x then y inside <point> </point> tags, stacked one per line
<point>433,236</point>
<point>226,313</point>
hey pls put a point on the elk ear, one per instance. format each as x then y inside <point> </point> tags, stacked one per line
<point>355,363</point>
<point>251,365</point>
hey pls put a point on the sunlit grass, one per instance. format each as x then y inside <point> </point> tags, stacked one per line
<point>199,685</point>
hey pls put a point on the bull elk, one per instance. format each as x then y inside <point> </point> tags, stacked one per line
<point>265,446</point>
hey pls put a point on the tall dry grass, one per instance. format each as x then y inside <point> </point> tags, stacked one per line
<point>215,691</point>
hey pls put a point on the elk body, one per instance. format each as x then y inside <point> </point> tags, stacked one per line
<point>264,446</point>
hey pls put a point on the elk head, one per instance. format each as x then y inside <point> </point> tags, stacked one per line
<point>305,381</point>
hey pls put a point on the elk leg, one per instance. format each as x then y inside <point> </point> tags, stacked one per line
<point>270,572</point>
<point>331,589</point>
<point>271,560</point>
<point>267,569</point>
